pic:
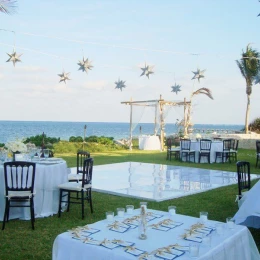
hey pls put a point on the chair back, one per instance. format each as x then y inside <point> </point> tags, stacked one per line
<point>205,145</point>
<point>81,157</point>
<point>226,145</point>
<point>234,144</point>
<point>169,143</point>
<point>258,146</point>
<point>19,176</point>
<point>185,144</point>
<point>243,176</point>
<point>87,172</point>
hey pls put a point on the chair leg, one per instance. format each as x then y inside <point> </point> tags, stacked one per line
<point>31,209</point>
<point>68,206</point>
<point>5,214</point>
<point>60,203</point>
<point>82,203</point>
<point>90,200</point>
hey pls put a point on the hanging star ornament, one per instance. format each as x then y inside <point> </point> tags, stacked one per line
<point>176,88</point>
<point>198,74</point>
<point>14,57</point>
<point>120,84</point>
<point>147,70</point>
<point>64,76</point>
<point>85,65</point>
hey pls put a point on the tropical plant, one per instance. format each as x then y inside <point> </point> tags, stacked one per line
<point>249,66</point>
<point>8,6</point>
<point>255,125</point>
<point>200,91</point>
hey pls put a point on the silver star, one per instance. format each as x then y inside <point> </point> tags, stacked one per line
<point>176,88</point>
<point>198,74</point>
<point>147,70</point>
<point>120,84</point>
<point>85,65</point>
<point>14,57</point>
<point>64,76</point>
<point>257,78</point>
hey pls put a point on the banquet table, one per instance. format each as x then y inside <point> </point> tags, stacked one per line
<point>234,243</point>
<point>249,211</point>
<point>216,146</point>
<point>49,174</point>
<point>149,142</point>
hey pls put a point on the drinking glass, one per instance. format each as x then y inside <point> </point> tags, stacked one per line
<point>129,209</point>
<point>172,210</point>
<point>230,223</point>
<point>46,153</point>
<point>203,216</point>
<point>110,216</point>
<point>120,212</point>
<point>194,250</point>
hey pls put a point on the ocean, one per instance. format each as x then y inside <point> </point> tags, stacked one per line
<point>11,130</point>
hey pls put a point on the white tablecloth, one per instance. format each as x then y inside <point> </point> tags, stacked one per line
<point>249,212</point>
<point>46,200</point>
<point>149,142</point>
<point>236,244</point>
<point>216,146</point>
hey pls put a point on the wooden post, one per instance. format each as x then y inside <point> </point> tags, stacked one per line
<point>185,119</point>
<point>161,123</point>
<point>85,129</point>
<point>131,136</point>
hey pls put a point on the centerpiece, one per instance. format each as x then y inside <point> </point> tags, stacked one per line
<point>16,147</point>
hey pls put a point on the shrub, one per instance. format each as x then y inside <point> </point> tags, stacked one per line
<point>37,140</point>
<point>254,126</point>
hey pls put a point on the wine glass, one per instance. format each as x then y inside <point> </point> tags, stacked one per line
<point>46,153</point>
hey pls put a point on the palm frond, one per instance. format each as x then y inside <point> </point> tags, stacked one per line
<point>205,91</point>
<point>8,6</point>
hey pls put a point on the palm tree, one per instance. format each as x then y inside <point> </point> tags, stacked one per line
<point>249,66</point>
<point>7,6</point>
<point>204,91</point>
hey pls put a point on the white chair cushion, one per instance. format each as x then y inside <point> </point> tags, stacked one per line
<point>74,186</point>
<point>12,194</point>
<point>75,177</point>
<point>177,149</point>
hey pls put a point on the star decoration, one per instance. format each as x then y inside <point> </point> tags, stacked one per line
<point>147,70</point>
<point>120,84</point>
<point>198,74</point>
<point>14,57</point>
<point>176,88</point>
<point>85,65</point>
<point>64,76</point>
<point>257,78</point>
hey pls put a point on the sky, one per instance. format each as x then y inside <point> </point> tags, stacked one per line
<point>119,38</point>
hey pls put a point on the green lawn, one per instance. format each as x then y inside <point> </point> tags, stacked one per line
<point>19,241</point>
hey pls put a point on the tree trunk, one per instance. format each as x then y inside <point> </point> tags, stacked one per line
<point>247,113</point>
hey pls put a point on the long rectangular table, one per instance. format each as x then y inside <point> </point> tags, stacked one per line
<point>232,244</point>
<point>49,174</point>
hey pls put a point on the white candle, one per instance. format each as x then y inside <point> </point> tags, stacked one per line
<point>129,211</point>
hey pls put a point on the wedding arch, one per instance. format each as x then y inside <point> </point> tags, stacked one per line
<point>161,107</point>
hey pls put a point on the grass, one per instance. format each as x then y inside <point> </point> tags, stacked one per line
<point>19,241</point>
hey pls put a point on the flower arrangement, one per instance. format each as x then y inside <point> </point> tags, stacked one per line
<point>198,136</point>
<point>16,146</point>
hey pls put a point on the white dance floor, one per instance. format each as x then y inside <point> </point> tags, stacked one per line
<point>157,182</point>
